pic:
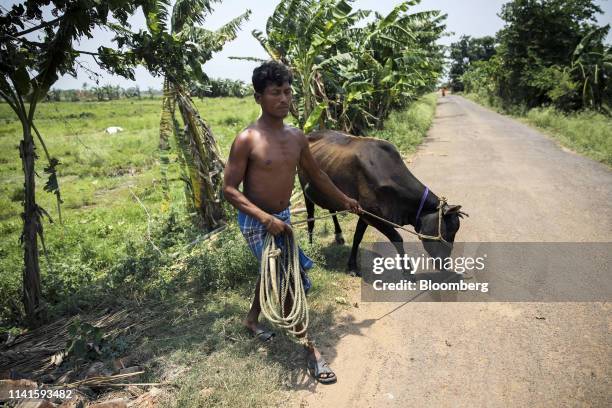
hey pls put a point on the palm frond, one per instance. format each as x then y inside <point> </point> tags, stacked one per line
<point>190,12</point>
<point>156,15</point>
<point>229,31</point>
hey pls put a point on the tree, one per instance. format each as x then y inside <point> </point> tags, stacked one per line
<point>539,34</point>
<point>397,60</point>
<point>175,47</point>
<point>465,52</point>
<point>29,68</point>
<point>301,34</point>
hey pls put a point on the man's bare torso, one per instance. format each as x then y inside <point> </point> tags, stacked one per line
<point>272,166</point>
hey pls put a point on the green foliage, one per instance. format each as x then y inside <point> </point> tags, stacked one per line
<point>214,88</point>
<point>464,53</point>
<point>55,55</point>
<point>406,128</point>
<point>550,52</point>
<point>226,263</point>
<point>481,77</point>
<point>357,73</point>
<point>592,67</point>
<point>85,341</point>
<point>587,132</point>
<point>97,93</point>
<point>88,343</point>
<point>175,49</point>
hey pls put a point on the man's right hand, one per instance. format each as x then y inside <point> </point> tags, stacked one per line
<point>276,226</point>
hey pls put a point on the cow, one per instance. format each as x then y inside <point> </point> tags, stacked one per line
<point>372,172</point>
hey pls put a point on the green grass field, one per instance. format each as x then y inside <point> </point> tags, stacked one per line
<point>193,295</point>
<point>99,175</point>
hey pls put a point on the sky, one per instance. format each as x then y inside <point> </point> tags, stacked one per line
<point>465,17</point>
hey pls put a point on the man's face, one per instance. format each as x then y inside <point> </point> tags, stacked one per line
<point>275,99</point>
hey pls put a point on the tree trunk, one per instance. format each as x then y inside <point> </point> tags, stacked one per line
<point>206,171</point>
<point>165,129</point>
<point>32,294</point>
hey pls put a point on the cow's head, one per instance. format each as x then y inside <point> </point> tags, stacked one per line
<point>449,226</point>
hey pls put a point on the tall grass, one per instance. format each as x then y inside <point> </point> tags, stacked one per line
<point>589,133</point>
<point>406,128</point>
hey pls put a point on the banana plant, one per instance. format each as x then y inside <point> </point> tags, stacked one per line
<point>350,77</point>
<point>28,70</point>
<point>592,62</point>
<point>301,34</point>
<point>384,65</point>
<point>176,46</point>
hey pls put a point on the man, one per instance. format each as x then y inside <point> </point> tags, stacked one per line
<point>264,157</point>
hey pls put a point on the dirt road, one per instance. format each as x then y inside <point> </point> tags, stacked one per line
<point>518,186</point>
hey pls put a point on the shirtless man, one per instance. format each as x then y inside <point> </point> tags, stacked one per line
<point>264,157</point>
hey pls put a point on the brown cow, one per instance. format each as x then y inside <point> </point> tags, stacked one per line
<point>373,172</point>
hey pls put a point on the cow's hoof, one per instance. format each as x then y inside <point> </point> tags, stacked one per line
<point>339,239</point>
<point>352,270</point>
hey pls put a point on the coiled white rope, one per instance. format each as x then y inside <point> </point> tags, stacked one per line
<point>280,277</point>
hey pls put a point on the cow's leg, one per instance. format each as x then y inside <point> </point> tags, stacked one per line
<point>359,231</point>
<point>310,210</point>
<point>337,229</point>
<point>392,235</point>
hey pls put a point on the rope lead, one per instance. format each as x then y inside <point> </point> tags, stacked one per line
<point>280,277</point>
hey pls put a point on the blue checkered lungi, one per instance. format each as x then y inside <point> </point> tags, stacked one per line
<point>255,232</point>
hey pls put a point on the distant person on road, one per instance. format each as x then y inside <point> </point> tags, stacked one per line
<point>264,157</point>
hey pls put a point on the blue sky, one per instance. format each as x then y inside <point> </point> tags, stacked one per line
<point>471,17</point>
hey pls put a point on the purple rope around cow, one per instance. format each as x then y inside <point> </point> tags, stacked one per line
<point>421,204</point>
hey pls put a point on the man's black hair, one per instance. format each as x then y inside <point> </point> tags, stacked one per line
<point>270,72</point>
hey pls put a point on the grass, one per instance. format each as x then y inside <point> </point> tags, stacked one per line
<point>195,296</point>
<point>586,132</point>
<point>406,128</point>
<point>98,177</point>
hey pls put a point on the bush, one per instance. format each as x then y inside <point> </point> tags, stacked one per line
<point>225,263</point>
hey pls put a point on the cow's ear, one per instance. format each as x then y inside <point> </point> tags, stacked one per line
<point>451,209</point>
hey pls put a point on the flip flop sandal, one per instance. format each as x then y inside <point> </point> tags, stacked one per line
<point>263,335</point>
<point>316,368</point>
